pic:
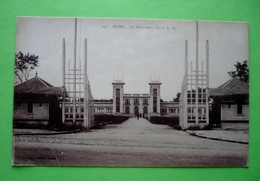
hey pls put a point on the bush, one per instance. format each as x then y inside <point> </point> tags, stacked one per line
<point>100,125</point>
<point>193,128</point>
<point>171,121</point>
<point>109,119</point>
<point>177,127</point>
<point>206,127</point>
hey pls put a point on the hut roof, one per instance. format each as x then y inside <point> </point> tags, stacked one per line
<point>37,85</point>
<point>231,87</point>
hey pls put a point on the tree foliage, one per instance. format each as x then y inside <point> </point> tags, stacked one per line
<point>177,99</point>
<point>241,72</point>
<point>24,63</point>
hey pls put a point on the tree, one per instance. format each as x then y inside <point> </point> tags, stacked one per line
<point>177,99</point>
<point>24,63</point>
<point>241,72</point>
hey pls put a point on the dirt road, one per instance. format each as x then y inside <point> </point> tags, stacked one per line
<point>132,143</point>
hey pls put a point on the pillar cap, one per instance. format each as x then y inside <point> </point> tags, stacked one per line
<point>118,82</point>
<point>155,82</point>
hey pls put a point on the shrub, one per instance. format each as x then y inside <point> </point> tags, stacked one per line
<point>171,121</point>
<point>109,119</point>
<point>193,128</point>
<point>177,127</point>
<point>206,127</point>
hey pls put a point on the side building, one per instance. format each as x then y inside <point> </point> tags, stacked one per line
<point>230,105</point>
<point>36,102</point>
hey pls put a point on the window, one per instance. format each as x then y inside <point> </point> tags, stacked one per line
<point>145,110</point>
<point>200,111</point>
<point>239,109</point>
<point>136,101</point>
<point>30,107</point>
<point>117,108</point>
<point>127,102</point>
<point>117,92</point>
<point>164,111</point>
<point>154,108</point>
<point>145,101</point>
<point>127,110</point>
<point>117,100</point>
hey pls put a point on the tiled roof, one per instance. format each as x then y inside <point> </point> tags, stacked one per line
<point>37,85</point>
<point>231,87</point>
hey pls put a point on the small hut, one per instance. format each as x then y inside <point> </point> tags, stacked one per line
<point>230,105</point>
<point>37,102</point>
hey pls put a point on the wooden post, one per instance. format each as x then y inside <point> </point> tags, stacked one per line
<point>63,79</point>
<point>74,73</point>
<point>185,101</point>
<point>207,77</point>
<point>86,89</point>
<point>197,73</point>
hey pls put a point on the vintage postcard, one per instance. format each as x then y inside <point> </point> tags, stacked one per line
<point>130,92</point>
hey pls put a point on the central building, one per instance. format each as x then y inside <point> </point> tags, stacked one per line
<point>136,103</point>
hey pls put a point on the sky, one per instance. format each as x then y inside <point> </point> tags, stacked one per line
<point>135,50</point>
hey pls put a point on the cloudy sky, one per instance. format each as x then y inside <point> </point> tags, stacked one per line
<point>134,50</point>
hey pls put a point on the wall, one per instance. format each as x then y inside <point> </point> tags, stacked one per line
<point>231,120</point>
<point>230,113</point>
<point>103,107</point>
<point>39,113</point>
<point>140,98</point>
<point>166,108</point>
<point>236,126</point>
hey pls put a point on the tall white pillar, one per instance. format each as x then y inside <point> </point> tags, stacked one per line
<point>86,123</point>
<point>197,73</point>
<point>74,73</point>
<point>207,75</point>
<point>63,78</point>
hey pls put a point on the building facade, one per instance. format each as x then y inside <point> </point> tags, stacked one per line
<point>136,103</point>
<point>139,103</point>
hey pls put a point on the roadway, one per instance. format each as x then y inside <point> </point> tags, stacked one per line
<point>132,143</point>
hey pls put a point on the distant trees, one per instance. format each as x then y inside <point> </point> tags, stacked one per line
<point>241,72</point>
<point>24,63</point>
<point>177,99</point>
<point>103,100</point>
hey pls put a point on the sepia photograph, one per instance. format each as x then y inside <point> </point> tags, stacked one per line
<point>130,93</point>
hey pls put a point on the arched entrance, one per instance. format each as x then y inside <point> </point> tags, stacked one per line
<point>127,110</point>
<point>136,110</point>
<point>145,110</point>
